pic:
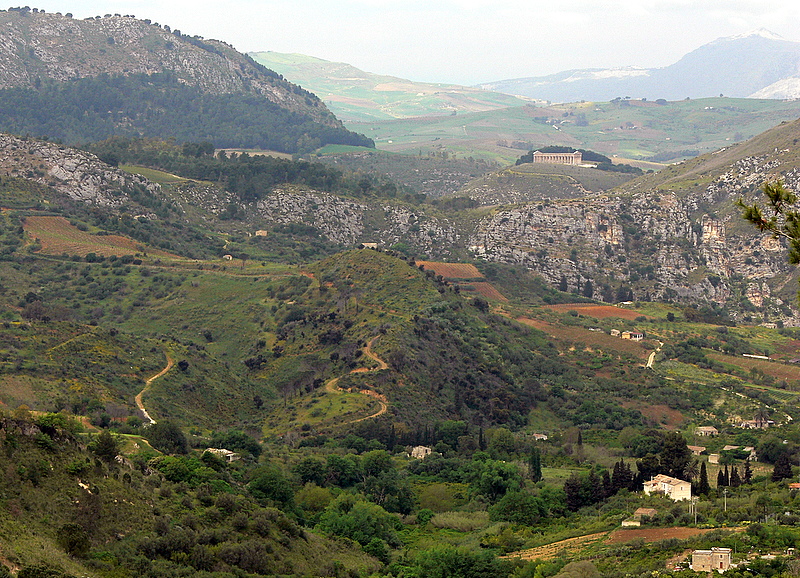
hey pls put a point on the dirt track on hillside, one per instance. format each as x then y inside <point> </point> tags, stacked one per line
<point>139,404</point>
<point>379,397</point>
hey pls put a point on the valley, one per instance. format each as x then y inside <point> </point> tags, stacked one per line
<point>269,348</point>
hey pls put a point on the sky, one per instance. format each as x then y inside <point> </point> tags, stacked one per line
<point>463,41</point>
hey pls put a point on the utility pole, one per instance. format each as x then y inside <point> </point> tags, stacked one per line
<point>725,493</point>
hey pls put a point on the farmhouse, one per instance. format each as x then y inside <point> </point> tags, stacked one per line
<point>575,158</point>
<point>706,431</point>
<point>632,335</point>
<point>718,559</point>
<point>420,452</point>
<point>672,488</point>
<point>615,333</point>
<point>696,450</point>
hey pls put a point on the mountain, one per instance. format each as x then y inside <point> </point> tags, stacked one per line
<point>84,80</point>
<point>356,95</point>
<point>759,64</point>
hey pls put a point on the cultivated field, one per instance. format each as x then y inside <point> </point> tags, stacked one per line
<point>452,270</point>
<point>593,339</point>
<point>774,368</point>
<point>619,536</point>
<point>596,311</point>
<point>486,289</point>
<point>462,272</point>
<point>57,236</point>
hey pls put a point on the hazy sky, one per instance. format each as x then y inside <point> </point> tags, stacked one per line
<point>463,41</point>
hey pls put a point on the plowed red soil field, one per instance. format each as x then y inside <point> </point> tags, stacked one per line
<point>598,311</point>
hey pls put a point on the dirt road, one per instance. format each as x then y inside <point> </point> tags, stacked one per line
<point>149,420</point>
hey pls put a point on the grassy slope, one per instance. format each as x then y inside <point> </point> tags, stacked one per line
<point>355,95</point>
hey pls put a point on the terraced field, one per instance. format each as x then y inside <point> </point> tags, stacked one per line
<point>57,236</point>
<point>465,274</point>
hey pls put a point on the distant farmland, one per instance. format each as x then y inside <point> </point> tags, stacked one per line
<point>466,275</point>
<point>596,311</point>
<point>58,236</point>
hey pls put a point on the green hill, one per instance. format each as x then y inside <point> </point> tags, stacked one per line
<point>355,95</point>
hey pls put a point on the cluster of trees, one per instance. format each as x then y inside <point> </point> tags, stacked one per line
<point>592,488</point>
<point>248,177</point>
<point>160,105</point>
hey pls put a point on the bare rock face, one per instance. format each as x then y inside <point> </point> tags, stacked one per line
<point>38,45</point>
<point>77,174</point>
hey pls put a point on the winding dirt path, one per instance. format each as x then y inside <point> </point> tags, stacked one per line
<point>331,386</point>
<point>139,404</point>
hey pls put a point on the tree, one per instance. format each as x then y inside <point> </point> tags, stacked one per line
<point>675,455</point>
<point>747,476</point>
<point>703,487</point>
<point>784,221</point>
<point>535,464</point>
<point>735,480</point>
<point>167,437</point>
<point>105,446</point>
<point>783,468</point>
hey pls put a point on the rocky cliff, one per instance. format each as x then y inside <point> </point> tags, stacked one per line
<point>77,174</point>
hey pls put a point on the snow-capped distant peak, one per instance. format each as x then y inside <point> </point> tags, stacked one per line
<point>761,32</point>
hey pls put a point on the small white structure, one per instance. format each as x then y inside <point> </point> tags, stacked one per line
<point>262,233</point>
<point>226,455</point>
<point>370,245</point>
<point>718,559</point>
<point>420,452</point>
<point>696,450</point>
<point>227,257</point>
<point>540,437</point>
<point>672,488</point>
<point>713,458</point>
<point>706,431</point>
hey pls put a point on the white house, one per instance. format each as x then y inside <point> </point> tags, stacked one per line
<point>672,488</point>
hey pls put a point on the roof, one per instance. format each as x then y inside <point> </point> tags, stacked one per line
<point>662,479</point>
<point>645,512</point>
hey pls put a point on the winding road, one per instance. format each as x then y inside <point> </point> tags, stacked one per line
<point>331,386</point>
<point>149,420</point>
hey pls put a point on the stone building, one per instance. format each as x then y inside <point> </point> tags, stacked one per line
<point>672,488</point>
<point>575,158</point>
<point>718,559</point>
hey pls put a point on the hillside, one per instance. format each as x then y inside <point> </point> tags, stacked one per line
<point>759,64</point>
<point>355,95</point>
<point>229,313</point>
<point>84,80</point>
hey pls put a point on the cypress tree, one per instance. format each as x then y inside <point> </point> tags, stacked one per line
<point>703,486</point>
<point>783,468</point>
<point>721,479</point>
<point>747,477</point>
<point>736,481</point>
<point>727,476</point>
<point>535,463</point>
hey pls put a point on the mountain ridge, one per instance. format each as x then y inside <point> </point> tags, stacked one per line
<point>745,65</point>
